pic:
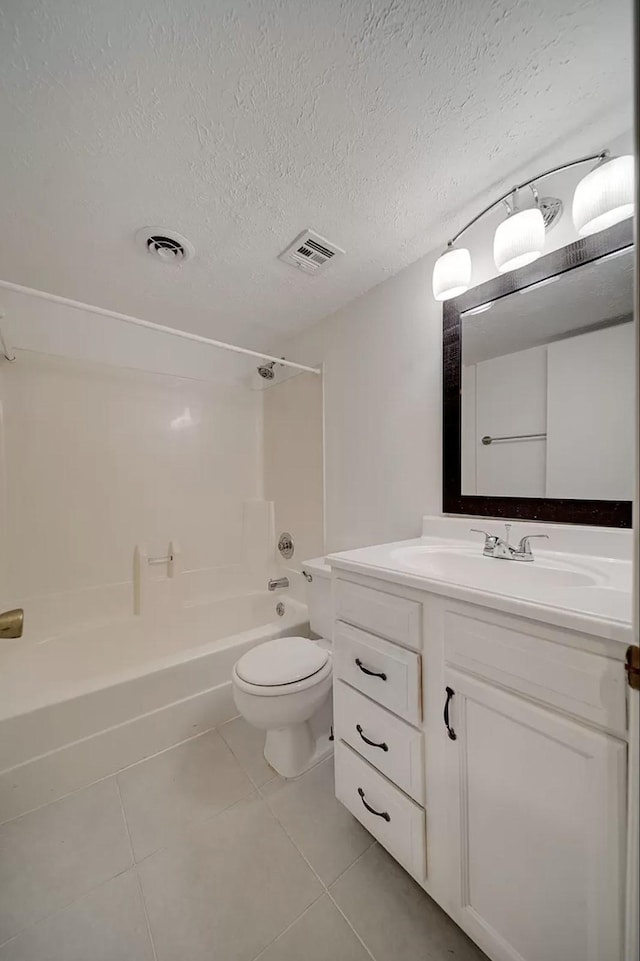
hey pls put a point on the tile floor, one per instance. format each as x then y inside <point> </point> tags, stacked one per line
<point>202,853</point>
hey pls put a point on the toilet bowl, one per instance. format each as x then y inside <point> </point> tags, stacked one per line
<point>284,687</point>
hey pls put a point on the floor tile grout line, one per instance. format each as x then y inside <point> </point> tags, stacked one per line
<point>341,912</point>
<point>259,796</point>
<point>339,909</point>
<point>349,866</point>
<point>196,822</point>
<point>243,766</point>
<point>289,926</point>
<point>125,822</point>
<point>286,833</point>
<point>135,869</point>
<point>146,914</point>
<point>192,821</point>
<point>120,770</point>
<point>83,894</point>
<point>325,886</point>
<point>66,905</point>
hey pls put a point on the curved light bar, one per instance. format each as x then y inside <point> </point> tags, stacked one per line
<point>603,198</point>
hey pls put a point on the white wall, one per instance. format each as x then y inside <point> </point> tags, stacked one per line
<point>293,467</point>
<point>383,395</point>
<point>382,358</point>
<point>96,459</point>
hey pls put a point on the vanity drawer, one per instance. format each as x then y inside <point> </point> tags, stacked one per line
<point>384,672</point>
<point>397,618</point>
<point>399,824</point>
<point>397,747</point>
<point>537,664</point>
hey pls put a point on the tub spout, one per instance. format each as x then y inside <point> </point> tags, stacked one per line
<point>11,623</point>
<point>274,584</point>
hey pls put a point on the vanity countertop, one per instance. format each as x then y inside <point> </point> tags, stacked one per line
<point>578,591</point>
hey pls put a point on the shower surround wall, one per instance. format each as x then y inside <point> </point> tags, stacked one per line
<point>97,459</point>
<point>293,466</point>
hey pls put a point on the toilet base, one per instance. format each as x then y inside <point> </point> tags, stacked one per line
<point>293,750</point>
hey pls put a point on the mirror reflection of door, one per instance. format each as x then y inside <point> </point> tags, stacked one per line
<point>548,387</point>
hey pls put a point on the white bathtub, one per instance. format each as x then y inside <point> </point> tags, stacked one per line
<point>84,704</point>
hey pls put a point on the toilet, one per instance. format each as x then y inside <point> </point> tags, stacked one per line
<point>284,686</point>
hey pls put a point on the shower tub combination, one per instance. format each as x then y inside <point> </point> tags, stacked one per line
<point>85,704</point>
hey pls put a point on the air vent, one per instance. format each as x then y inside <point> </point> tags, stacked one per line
<point>310,252</point>
<point>165,245</point>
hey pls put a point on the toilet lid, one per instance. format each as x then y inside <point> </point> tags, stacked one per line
<point>282,661</point>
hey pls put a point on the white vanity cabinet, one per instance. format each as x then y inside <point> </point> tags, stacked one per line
<point>512,817</point>
<point>537,805</point>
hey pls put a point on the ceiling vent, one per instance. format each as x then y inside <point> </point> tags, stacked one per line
<point>310,252</point>
<point>165,245</point>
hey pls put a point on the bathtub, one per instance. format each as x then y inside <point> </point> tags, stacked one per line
<point>84,704</point>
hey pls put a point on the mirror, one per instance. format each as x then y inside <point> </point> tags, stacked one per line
<point>548,387</point>
<point>543,363</point>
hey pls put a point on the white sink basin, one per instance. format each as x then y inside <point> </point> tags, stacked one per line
<point>460,565</point>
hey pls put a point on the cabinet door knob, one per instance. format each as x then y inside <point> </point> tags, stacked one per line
<point>365,670</point>
<point>379,814</point>
<point>452,734</point>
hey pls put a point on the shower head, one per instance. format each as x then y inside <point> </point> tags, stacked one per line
<point>267,371</point>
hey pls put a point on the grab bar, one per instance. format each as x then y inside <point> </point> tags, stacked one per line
<point>486,440</point>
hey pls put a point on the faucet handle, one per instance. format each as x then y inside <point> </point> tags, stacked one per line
<point>524,546</point>
<point>490,540</point>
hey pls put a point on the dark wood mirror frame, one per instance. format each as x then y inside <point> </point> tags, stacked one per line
<point>558,510</point>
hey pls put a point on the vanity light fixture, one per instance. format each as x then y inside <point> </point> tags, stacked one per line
<point>603,197</point>
<point>519,240</point>
<point>452,273</point>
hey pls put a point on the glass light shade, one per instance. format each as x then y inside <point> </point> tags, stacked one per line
<point>452,273</point>
<point>605,196</point>
<point>519,240</point>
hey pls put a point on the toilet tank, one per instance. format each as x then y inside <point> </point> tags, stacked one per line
<point>318,587</point>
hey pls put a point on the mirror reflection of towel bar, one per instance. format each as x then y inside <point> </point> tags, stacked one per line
<point>486,440</point>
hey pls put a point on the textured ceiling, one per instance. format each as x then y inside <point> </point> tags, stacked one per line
<point>241,123</point>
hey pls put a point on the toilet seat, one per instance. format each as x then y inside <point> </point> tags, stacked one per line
<point>282,662</point>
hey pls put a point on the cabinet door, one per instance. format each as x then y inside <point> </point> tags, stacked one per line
<point>536,828</point>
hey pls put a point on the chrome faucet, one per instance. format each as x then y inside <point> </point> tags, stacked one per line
<point>495,546</point>
<point>275,583</point>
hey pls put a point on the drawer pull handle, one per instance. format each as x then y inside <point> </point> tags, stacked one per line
<point>365,670</point>
<point>452,734</point>
<point>382,746</point>
<point>379,814</point>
